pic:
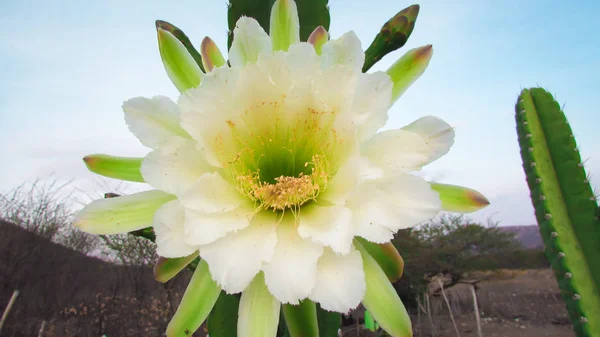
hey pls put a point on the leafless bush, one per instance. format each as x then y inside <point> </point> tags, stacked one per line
<point>131,250</point>
<point>45,207</point>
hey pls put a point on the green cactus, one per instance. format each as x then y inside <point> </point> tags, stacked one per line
<point>311,13</point>
<point>565,206</point>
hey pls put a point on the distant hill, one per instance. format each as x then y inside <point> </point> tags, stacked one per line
<point>529,236</point>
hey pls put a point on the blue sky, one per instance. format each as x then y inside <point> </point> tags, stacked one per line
<point>67,66</point>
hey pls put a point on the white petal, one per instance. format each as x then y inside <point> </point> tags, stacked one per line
<point>340,281</point>
<point>396,151</point>
<point>345,50</point>
<point>438,135</point>
<point>154,121</point>
<point>371,213</point>
<point>202,228</point>
<point>235,259</point>
<point>327,225</point>
<point>211,193</point>
<point>340,188</point>
<point>414,199</point>
<point>170,236</point>
<point>174,168</point>
<point>121,214</point>
<point>291,274</point>
<point>382,207</point>
<point>249,40</point>
<point>205,111</point>
<point>409,148</point>
<point>303,59</point>
<point>371,103</point>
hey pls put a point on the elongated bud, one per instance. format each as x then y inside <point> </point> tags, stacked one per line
<point>180,35</point>
<point>393,35</point>
<point>408,69</point>
<point>387,257</point>
<point>198,300</point>
<point>122,168</point>
<point>166,268</point>
<point>460,199</point>
<point>382,300</point>
<point>211,55</point>
<point>318,38</point>
<point>285,25</point>
<point>121,215</point>
<point>183,70</point>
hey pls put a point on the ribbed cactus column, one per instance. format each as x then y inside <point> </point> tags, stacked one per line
<point>565,206</point>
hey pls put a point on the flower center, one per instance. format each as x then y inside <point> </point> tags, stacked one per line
<point>285,191</point>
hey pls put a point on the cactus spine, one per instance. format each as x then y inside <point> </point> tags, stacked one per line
<point>565,206</point>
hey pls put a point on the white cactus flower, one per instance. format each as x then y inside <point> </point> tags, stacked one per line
<point>271,166</point>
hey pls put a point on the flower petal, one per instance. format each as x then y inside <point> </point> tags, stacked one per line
<point>121,214</point>
<point>202,228</point>
<point>258,315</point>
<point>291,273</point>
<point>168,225</point>
<point>371,103</point>
<point>409,148</point>
<point>340,282</point>
<point>198,300</point>
<point>154,121</point>
<point>382,207</point>
<point>284,25</point>
<point>371,212</point>
<point>181,67</point>
<point>174,168</point>
<point>382,300</point>
<point>327,225</point>
<point>345,50</point>
<point>438,135</point>
<point>412,197</point>
<point>249,40</point>
<point>235,259</point>
<point>211,193</point>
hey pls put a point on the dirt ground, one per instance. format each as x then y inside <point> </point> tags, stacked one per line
<point>490,327</point>
<point>494,327</point>
<point>512,303</point>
